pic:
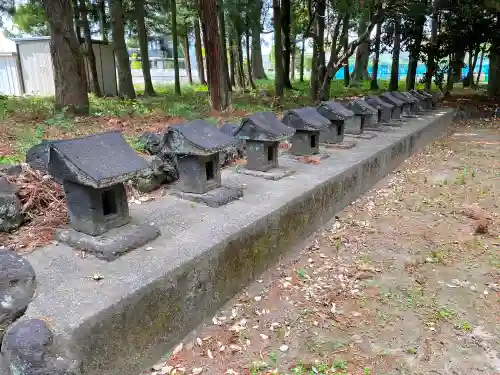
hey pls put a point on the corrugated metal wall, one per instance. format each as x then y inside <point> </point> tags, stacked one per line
<point>9,75</point>
<point>36,63</point>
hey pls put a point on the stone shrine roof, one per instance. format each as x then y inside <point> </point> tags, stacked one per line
<point>307,118</point>
<point>392,99</point>
<point>99,160</point>
<point>334,111</point>
<point>405,97</point>
<point>263,126</point>
<point>197,137</point>
<point>378,103</point>
<point>229,128</point>
<point>361,107</point>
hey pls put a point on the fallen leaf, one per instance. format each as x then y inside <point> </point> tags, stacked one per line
<point>177,349</point>
<point>284,348</point>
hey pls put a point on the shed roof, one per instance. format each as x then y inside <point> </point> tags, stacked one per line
<point>307,118</point>
<point>197,137</point>
<point>229,128</point>
<point>334,111</point>
<point>403,96</point>
<point>360,107</point>
<point>263,126</point>
<point>99,160</point>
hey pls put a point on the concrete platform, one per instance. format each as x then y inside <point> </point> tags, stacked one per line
<point>149,299</point>
<point>364,135</point>
<point>344,145</point>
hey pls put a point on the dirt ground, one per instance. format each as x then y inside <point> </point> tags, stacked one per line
<point>406,281</point>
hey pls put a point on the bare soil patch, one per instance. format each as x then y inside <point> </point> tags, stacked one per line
<point>405,281</point>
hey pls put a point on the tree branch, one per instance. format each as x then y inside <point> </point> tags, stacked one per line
<point>335,61</point>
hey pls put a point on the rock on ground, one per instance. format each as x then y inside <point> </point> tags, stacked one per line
<point>10,207</point>
<point>17,287</point>
<point>37,156</point>
<point>29,348</point>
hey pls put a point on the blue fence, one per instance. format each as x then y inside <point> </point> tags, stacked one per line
<point>384,71</point>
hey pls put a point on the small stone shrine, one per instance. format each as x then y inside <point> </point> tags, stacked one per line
<point>307,123</point>
<point>342,119</point>
<point>434,99</point>
<point>93,170</point>
<point>410,102</point>
<point>198,145</point>
<point>425,101</point>
<point>385,110</point>
<point>404,108</point>
<point>367,116</point>
<point>263,132</point>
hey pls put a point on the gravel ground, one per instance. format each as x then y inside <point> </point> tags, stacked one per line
<point>406,281</point>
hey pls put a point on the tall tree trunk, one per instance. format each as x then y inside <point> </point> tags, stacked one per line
<point>103,22</point>
<point>318,61</point>
<point>212,49</point>
<point>376,57</point>
<point>76,17</point>
<point>473,55</point>
<point>360,72</point>
<point>483,49</point>
<point>415,53</point>
<point>67,60</point>
<point>345,38</point>
<point>199,54</point>
<point>279,84</point>
<point>125,83</point>
<point>459,61</point>
<point>222,42</point>
<point>142,35</point>
<point>292,63</point>
<point>204,38</point>
<point>302,58</point>
<point>396,49</point>
<point>187,55</point>
<point>232,60</point>
<point>257,64</point>
<point>247,45</point>
<point>286,20</point>
<point>175,42</point>
<point>89,51</point>
<point>239,52</point>
<point>431,57</point>
<point>325,88</point>
<point>494,68</point>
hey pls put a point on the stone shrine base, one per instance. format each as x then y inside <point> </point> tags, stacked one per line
<point>344,145</point>
<point>112,244</point>
<point>214,198</point>
<point>362,135</point>
<point>382,128</point>
<point>274,174</point>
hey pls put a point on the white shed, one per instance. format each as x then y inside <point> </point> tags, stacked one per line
<point>37,72</point>
<point>10,83</point>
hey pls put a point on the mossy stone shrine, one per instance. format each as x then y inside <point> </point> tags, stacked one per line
<point>197,145</point>
<point>307,123</point>
<point>343,121</point>
<point>93,170</point>
<point>385,109</point>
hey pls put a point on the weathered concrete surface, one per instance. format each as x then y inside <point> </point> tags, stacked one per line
<point>150,298</point>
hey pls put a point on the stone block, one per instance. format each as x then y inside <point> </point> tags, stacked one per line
<point>10,207</point>
<point>112,244</point>
<point>334,133</point>
<point>17,287</point>
<point>305,143</point>
<point>216,197</point>
<point>198,174</point>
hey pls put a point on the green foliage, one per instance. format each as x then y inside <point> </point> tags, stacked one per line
<point>30,19</point>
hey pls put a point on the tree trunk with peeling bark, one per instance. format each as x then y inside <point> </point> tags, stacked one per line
<point>222,42</point>
<point>286,20</point>
<point>175,42</point>
<point>232,61</point>
<point>67,60</point>
<point>431,55</point>
<point>92,76</point>
<point>199,54</point>
<point>483,49</point>
<point>187,55</point>
<point>278,51</point>
<point>302,58</point>
<point>415,53</point>
<point>376,57</point>
<point>125,84</point>
<point>142,35</point>
<point>318,59</point>
<point>247,45</point>
<point>394,81</point>
<point>257,64</point>
<point>345,38</point>
<point>334,51</point>
<point>360,72</point>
